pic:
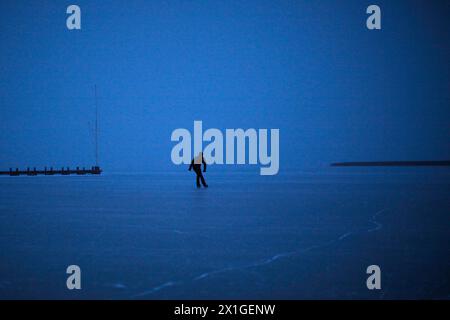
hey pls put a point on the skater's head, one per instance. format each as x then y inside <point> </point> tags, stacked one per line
<point>198,159</point>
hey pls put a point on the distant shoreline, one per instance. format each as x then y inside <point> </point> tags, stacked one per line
<point>393,164</point>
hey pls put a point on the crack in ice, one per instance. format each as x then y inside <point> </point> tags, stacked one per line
<point>155,289</point>
<point>267,261</point>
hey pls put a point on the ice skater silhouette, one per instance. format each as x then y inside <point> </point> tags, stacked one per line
<point>196,163</point>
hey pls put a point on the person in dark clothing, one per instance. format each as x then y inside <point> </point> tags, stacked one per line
<point>196,163</point>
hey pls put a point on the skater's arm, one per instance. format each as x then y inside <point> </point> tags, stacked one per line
<point>192,163</point>
<point>204,165</point>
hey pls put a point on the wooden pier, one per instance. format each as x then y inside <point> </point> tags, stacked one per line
<point>50,172</point>
<point>63,171</point>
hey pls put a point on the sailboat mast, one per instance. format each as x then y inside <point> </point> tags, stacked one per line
<point>96,126</point>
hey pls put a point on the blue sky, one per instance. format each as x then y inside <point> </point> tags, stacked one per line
<point>336,91</point>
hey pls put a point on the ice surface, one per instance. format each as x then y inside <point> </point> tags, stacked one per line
<point>290,236</point>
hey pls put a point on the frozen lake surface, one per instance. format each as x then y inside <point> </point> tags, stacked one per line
<point>291,236</point>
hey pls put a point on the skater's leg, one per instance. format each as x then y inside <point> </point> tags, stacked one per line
<point>203,180</point>
<point>198,180</point>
